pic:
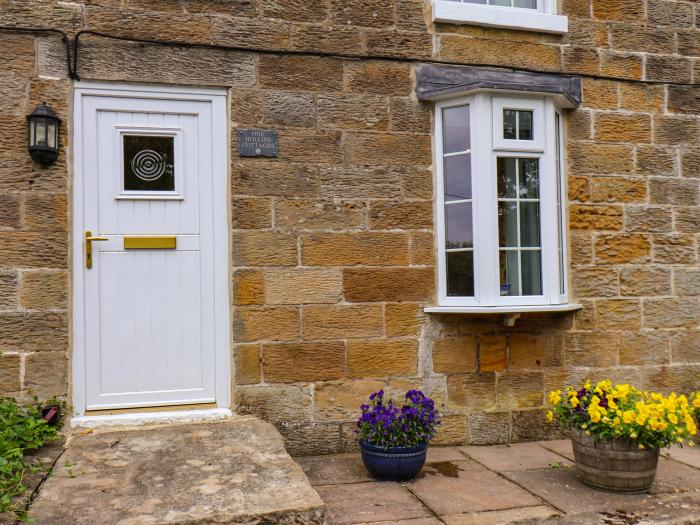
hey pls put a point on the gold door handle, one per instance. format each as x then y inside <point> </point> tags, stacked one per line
<point>88,247</point>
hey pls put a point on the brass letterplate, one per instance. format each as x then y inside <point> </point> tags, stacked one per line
<point>165,242</point>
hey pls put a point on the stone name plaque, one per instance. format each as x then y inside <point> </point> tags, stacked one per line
<point>257,143</point>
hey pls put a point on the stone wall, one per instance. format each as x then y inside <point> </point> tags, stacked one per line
<point>332,242</point>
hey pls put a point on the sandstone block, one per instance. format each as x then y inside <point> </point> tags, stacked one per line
<point>297,362</point>
<point>353,112</point>
<point>408,114</point>
<point>9,211</point>
<point>622,127</point>
<point>625,37</point>
<point>45,374</point>
<point>580,125</point>
<point>489,428</point>
<point>600,158</point>
<point>297,73</point>
<point>674,190</point>
<point>618,189</point>
<point>289,109</point>
<point>390,215</point>
<point>451,432</point>
<point>667,379</point>
<point>341,321</point>
<point>43,290</point>
<point>246,107</point>
<point>492,353</point>
<point>632,10</point>
<point>686,281</point>
<point>274,323</point>
<point>595,282</point>
<point>595,217</point>
<point>645,348</point>
<point>676,130</point>
<point>687,219</point>
<point>499,52</point>
<point>303,286</point>
<point>311,146</point>
<point>33,332</point>
<point>306,214</point>
<point>248,287</point>
<point>417,183</point>
<point>685,347</point>
<point>641,97</point>
<point>645,281</point>
<point>622,248</point>
<point>382,358</point>
<point>9,374</point>
<point>33,249</point>
<point>8,290</point>
<point>656,160</point>
<point>271,177</point>
<point>359,182</point>
<point>403,319</point>
<point>382,149</point>
<point>690,163</point>
<point>661,68</point>
<point>344,40</point>
<point>251,213</point>
<point>519,389</point>
<point>340,401</point>
<point>231,8</point>
<point>535,350</point>
<point>278,404</point>
<point>471,392</point>
<point>246,359</point>
<point>455,355</point>
<point>351,249</point>
<point>664,13</point>
<point>367,13</point>
<point>532,425</point>
<point>581,247</point>
<point>391,285</point>
<point>579,189</point>
<point>311,439</point>
<point>621,65</point>
<point>671,313</point>
<point>46,212</point>
<point>600,94</point>
<point>296,10</point>
<point>17,51</point>
<point>578,345</point>
<point>422,248</point>
<point>399,43</point>
<point>580,60</point>
<point>381,78</point>
<point>648,218</point>
<point>264,249</point>
<point>618,314</point>
<point>267,34</point>
<point>673,249</point>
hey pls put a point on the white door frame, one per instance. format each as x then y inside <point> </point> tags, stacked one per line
<point>221,216</point>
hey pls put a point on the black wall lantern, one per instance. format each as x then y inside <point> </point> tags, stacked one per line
<point>43,135</point>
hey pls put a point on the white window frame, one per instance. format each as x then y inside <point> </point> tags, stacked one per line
<point>485,113</point>
<point>543,19</point>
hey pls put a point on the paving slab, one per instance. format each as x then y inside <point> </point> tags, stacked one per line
<point>460,487</point>
<point>518,456</point>
<point>672,476</point>
<point>563,447</point>
<point>688,455</point>
<point>440,454</point>
<point>370,503</point>
<point>334,470</point>
<point>497,517</point>
<point>417,521</point>
<point>230,472</point>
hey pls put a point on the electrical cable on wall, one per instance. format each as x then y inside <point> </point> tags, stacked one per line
<point>72,54</point>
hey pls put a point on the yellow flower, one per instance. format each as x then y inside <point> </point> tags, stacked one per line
<point>550,416</point>
<point>673,418</point>
<point>628,416</point>
<point>641,419</point>
<point>555,396</point>
<point>616,421</point>
<point>575,402</point>
<point>594,414</point>
<point>696,402</point>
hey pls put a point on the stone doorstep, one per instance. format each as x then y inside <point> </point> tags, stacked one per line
<point>231,472</point>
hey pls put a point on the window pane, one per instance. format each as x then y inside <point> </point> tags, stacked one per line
<point>455,129</point>
<point>148,163</point>
<point>475,1</point>
<point>531,266</point>
<point>505,3</point>
<point>508,224</point>
<point>529,178</point>
<point>459,225</point>
<point>525,125</point>
<point>510,279</point>
<point>460,274</point>
<point>506,178</point>
<point>458,177</point>
<point>510,117</point>
<point>529,4</point>
<point>530,224</point>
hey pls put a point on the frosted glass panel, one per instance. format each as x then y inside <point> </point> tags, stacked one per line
<point>148,163</point>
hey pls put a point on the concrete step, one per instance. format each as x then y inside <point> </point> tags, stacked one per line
<point>231,472</point>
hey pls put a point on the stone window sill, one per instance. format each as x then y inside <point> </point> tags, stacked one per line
<point>451,12</point>
<point>570,307</point>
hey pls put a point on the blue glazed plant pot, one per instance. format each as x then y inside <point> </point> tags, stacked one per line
<point>393,464</point>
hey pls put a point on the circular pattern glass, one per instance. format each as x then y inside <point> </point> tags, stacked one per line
<point>148,165</point>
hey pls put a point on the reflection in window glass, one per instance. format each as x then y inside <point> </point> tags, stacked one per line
<point>460,274</point>
<point>517,124</point>
<point>527,4</point>
<point>455,129</point>
<point>149,163</point>
<point>519,226</point>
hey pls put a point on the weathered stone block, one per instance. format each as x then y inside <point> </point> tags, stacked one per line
<point>499,52</point>
<point>618,314</point>
<point>251,213</point>
<point>532,425</point>
<point>303,362</point>
<point>248,287</point>
<point>297,73</point>
<point>353,112</point>
<point>382,358</point>
<point>9,374</point>
<point>662,68</point>
<point>618,189</point>
<point>683,99</point>
<point>246,359</point>
<point>345,40</point>
<point>622,248</point>
<point>621,65</point>
<point>382,149</point>
<point>645,348</point>
<point>10,211</point>
<point>264,249</point>
<point>403,319</point>
<point>46,212</point>
<point>267,34</point>
<point>43,290</point>
<point>350,249</point>
<point>274,323</point>
<point>578,345</point>
<point>580,60</point>
<point>391,215</point>
<point>671,313</point>
<point>600,94</point>
<point>394,284</point>
<point>455,355</point>
<point>676,130</point>
<point>685,347</point>
<point>17,51</point>
<point>365,13</point>
<point>535,350</point>
<point>451,432</point>
<point>310,146</point>
<point>626,37</point>
<point>398,43</point>
<point>673,249</point>
<point>8,290</point>
<point>381,78</point>
<point>687,219</point>
<point>645,281</point>
<point>581,247</point>
<point>656,160</point>
<point>342,321</point>
<point>283,108</point>
<point>632,10</point>
<point>665,13</point>
<point>471,392</point>
<point>595,217</point>
<point>489,428</point>
<point>674,190</point>
<point>648,218</point>
<point>492,353</point>
<point>409,114</point>
<point>33,249</point>
<point>690,163</point>
<point>32,332</point>
<point>340,401</point>
<point>667,379</point>
<point>271,177</point>
<point>312,439</point>
<point>358,182</point>
<point>595,282</point>
<point>622,127</point>
<point>587,157</point>
<point>519,389</point>
<point>278,404</point>
<point>306,214</point>
<point>422,248</point>
<point>579,189</point>
<point>686,281</point>
<point>297,10</point>
<point>45,374</point>
<point>303,286</point>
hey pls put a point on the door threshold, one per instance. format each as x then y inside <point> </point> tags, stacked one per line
<point>130,419</point>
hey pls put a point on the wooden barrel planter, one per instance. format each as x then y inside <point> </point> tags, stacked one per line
<point>616,465</point>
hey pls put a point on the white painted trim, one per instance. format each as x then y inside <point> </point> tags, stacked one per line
<point>220,162</point>
<point>502,309</point>
<point>451,12</point>
<point>147,418</point>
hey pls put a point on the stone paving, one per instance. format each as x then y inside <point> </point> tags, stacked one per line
<point>521,483</point>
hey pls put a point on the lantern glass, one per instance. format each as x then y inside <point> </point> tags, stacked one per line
<point>43,135</point>
<point>41,132</point>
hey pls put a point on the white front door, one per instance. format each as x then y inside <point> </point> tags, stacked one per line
<point>151,306</point>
